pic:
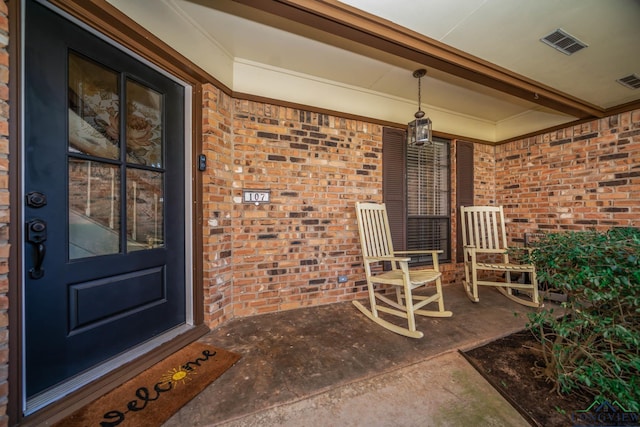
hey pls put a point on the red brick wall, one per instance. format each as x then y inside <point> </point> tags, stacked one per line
<point>581,177</point>
<point>218,214</point>
<point>289,253</point>
<point>484,174</point>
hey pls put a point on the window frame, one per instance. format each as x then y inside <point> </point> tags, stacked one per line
<point>436,196</point>
<point>396,190</point>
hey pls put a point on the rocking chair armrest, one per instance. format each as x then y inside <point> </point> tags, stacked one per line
<point>438,251</point>
<point>433,252</point>
<point>474,249</point>
<point>387,258</point>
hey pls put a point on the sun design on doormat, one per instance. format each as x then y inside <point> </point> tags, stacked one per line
<point>178,375</point>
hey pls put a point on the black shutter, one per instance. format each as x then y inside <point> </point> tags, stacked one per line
<point>394,188</point>
<point>464,188</point>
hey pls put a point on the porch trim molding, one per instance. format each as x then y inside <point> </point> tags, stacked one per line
<point>337,18</point>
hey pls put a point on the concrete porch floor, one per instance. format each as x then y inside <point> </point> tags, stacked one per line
<point>331,366</point>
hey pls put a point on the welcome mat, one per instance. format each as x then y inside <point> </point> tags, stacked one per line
<point>152,397</point>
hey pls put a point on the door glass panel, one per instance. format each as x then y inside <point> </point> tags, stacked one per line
<point>94,208</point>
<point>145,209</point>
<point>144,125</point>
<point>94,106</point>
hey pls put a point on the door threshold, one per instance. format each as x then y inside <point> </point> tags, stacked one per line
<point>63,390</point>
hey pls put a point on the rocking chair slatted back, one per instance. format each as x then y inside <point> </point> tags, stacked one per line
<point>374,225</point>
<point>480,228</point>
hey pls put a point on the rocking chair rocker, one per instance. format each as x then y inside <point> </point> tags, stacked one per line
<point>485,249</point>
<point>375,239</point>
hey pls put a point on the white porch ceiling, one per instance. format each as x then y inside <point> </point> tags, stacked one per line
<point>254,52</point>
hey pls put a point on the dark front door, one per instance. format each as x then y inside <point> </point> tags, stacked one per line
<point>104,250</point>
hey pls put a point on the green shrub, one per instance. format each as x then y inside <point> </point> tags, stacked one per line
<point>593,348</point>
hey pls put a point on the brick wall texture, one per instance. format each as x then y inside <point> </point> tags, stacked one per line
<point>288,253</point>
<point>217,145</point>
<point>577,178</point>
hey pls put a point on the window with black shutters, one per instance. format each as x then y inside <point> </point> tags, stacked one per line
<point>417,192</point>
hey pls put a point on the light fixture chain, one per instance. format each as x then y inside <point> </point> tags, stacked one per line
<point>419,94</point>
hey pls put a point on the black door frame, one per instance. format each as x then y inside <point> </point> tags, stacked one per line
<point>131,38</point>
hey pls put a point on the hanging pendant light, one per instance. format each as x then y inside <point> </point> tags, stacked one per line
<point>419,131</point>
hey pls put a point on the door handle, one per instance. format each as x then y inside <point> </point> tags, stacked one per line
<point>37,271</point>
<point>37,235</point>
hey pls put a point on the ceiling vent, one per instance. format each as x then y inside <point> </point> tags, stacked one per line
<point>631,81</point>
<point>563,41</point>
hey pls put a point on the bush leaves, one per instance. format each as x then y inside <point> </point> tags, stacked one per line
<point>594,348</point>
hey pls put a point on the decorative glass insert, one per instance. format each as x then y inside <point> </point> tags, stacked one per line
<point>144,125</point>
<point>95,189</point>
<point>94,109</point>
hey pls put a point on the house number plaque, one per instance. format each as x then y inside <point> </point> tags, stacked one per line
<point>256,196</point>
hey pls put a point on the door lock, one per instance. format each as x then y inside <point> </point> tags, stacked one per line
<point>37,235</point>
<point>36,199</point>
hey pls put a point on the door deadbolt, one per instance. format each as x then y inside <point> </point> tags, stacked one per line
<point>36,199</point>
<point>36,231</point>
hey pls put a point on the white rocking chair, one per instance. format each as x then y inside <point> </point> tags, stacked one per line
<point>485,249</point>
<point>375,239</point>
